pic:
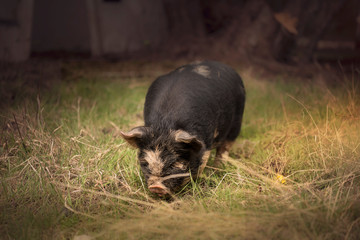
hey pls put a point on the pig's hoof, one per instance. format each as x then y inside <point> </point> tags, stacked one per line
<point>219,164</point>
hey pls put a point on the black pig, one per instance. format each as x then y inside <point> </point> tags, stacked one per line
<point>187,112</point>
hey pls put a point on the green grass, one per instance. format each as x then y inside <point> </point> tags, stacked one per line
<point>66,173</point>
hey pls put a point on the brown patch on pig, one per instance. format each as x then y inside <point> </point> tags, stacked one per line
<point>155,164</point>
<point>180,165</point>
<point>202,70</point>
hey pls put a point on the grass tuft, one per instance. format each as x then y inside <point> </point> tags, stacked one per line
<point>67,174</point>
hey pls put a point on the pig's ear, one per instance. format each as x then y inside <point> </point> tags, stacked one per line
<point>134,136</point>
<point>185,137</point>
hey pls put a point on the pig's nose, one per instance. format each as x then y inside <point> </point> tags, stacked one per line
<point>158,189</point>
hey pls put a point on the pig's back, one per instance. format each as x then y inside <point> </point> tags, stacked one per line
<point>204,99</point>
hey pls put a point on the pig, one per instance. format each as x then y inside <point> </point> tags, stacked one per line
<point>187,113</point>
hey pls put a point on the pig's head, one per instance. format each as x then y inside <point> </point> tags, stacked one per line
<point>167,158</point>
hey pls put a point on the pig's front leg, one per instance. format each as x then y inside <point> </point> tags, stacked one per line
<point>222,153</point>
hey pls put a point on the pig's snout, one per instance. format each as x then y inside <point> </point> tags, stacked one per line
<point>158,189</point>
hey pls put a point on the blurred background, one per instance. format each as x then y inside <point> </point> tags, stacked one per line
<point>293,32</point>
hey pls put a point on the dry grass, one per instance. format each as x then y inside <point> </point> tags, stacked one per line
<point>65,173</point>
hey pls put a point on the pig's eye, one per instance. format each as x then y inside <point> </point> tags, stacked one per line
<point>144,163</point>
<point>184,154</point>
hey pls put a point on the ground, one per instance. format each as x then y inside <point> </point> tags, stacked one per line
<point>67,174</point>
